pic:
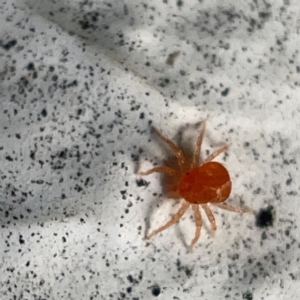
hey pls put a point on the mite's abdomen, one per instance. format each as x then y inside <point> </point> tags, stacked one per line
<point>209,182</point>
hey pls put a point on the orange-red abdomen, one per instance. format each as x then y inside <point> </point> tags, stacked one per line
<point>209,182</point>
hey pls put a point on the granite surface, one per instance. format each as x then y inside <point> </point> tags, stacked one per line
<point>81,85</point>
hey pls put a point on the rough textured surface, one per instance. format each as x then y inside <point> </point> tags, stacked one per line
<point>81,83</point>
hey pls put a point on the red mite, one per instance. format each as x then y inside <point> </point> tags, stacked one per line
<point>198,182</point>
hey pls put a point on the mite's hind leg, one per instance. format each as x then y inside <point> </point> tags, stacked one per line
<point>177,151</point>
<point>196,155</point>
<point>172,221</point>
<point>211,217</point>
<point>198,221</point>
<point>234,208</point>
<point>215,154</point>
<point>163,169</point>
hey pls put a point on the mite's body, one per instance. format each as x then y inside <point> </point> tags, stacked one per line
<point>199,183</point>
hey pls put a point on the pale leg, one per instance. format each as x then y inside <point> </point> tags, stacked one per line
<point>234,208</point>
<point>198,221</point>
<point>215,154</point>
<point>198,145</point>
<point>210,216</point>
<point>178,153</point>
<point>172,221</point>
<point>163,169</point>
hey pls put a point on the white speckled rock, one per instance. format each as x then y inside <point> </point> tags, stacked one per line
<point>81,84</point>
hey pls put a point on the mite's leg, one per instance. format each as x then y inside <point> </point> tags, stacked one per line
<point>172,221</point>
<point>210,216</point>
<point>163,169</point>
<point>198,145</point>
<point>198,221</point>
<point>215,153</point>
<point>234,208</point>
<point>178,153</point>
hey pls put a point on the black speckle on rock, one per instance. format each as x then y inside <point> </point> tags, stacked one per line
<point>164,82</point>
<point>9,158</point>
<point>171,58</point>
<point>264,15</point>
<point>292,276</point>
<point>94,16</point>
<point>257,191</point>
<point>78,188</point>
<point>248,296</point>
<point>155,290</point>
<point>30,66</point>
<point>130,278</point>
<point>288,181</point>
<point>63,154</point>
<point>188,271</point>
<point>84,24</point>
<point>9,44</point>
<point>42,282</point>
<point>87,181</point>
<point>73,83</point>
<point>142,182</point>
<point>264,236</point>
<point>44,112</point>
<point>32,154</point>
<point>225,92</point>
<point>21,240</point>
<point>64,239</point>
<point>141,275</point>
<point>265,217</point>
<point>179,3</point>
<point>24,81</point>
<point>252,22</point>
<point>54,77</point>
<point>27,264</point>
